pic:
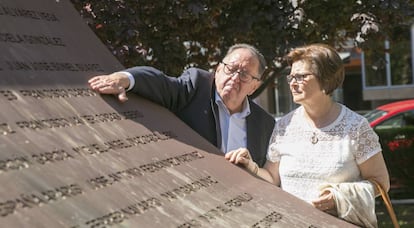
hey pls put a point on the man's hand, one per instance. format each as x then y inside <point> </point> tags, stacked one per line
<point>114,83</point>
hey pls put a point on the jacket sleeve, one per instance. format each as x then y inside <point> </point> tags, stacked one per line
<point>260,126</point>
<point>355,202</point>
<point>171,92</point>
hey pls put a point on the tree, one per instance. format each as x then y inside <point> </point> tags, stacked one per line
<point>173,35</point>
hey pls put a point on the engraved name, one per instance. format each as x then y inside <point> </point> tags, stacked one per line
<point>5,129</point>
<point>37,199</point>
<point>120,215</point>
<point>104,181</point>
<point>8,95</point>
<point>187,189</point>
<point>26,13</point>
<point>98,148</point>
<point>53,66</point>
<point>49,93</point>
<point>58,93</point>
<point>218,211</point>
<point>53,156</point>
<point>31,39</point>
<point>23,162</point>
<point>269,220</point>
<point>57,155</point>
<point>60,122</point>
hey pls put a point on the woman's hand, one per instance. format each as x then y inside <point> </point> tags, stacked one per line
<point>326,202</point>
<point>242,156</point>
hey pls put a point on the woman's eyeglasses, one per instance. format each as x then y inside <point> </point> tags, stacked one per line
<point>298,77</point>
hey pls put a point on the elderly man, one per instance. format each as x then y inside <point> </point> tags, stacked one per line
<point>216,105</point>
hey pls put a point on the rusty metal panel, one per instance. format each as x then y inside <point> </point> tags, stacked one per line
<point>72,158</point>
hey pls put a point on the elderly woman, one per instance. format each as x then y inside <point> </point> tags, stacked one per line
<point>322,152</point>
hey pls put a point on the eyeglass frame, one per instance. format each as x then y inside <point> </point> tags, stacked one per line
<point>242,74</point>
<point>298,77</point>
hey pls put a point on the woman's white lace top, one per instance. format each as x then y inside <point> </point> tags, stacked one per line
<point>311,157</point>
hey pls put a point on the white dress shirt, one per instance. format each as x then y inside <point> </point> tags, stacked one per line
<point>233,126</point>
<point>131,80</point>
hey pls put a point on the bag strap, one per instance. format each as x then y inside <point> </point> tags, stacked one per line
<point>387,202</point>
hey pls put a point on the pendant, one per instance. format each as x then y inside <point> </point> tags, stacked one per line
<point>314,138</point>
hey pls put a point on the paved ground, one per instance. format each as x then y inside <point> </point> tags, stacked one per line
<point>403,210</point>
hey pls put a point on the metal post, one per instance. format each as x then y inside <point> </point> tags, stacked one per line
<point>363,72</point>
<point>388,62</point>
<point>412,51</point>
<point>277,108</point>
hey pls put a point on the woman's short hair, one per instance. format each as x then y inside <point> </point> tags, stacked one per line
<point>325,63</point>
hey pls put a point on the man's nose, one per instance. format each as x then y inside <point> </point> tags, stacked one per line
<point>236,75</point>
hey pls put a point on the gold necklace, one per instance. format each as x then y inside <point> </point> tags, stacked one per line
<point>314,139</point>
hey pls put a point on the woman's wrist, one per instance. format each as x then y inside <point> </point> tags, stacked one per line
<point>253,167</point>
<point>256,168</point>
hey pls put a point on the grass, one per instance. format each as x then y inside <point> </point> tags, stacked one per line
<point>404,212</point>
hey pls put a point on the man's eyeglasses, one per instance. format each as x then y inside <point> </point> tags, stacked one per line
<point>298,77</point>
<point>243,75</point>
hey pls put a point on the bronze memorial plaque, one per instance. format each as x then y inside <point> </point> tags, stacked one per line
<point>72,158</point>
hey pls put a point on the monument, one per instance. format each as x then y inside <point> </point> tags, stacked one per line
<point>72,158</point>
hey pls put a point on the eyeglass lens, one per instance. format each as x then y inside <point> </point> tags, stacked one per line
<point>243,75</point>
<point>298,78</point>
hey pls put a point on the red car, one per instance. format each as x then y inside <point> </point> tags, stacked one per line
<point>394,124</point>
<point>392,115</point>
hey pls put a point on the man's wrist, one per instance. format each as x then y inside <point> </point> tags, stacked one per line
<point>130,78</point>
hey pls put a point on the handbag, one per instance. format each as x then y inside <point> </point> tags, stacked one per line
<point>387,202</point>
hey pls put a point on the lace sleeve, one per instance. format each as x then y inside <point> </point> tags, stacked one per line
<point>273,154</point>
<point>367,142</point>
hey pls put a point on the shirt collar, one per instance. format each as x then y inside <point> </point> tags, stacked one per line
<point>245,110</point>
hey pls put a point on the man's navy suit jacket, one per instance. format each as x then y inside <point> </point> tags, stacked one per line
<point>192,98</point>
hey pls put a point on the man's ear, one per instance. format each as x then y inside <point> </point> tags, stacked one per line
<point>255,86</point>
<point>219,66</point>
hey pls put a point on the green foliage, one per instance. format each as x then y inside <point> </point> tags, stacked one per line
<point>173,35</point>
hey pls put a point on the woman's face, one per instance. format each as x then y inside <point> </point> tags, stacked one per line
<point>304,85</point>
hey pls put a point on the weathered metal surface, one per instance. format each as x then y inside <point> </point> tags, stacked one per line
<point>72,158</point>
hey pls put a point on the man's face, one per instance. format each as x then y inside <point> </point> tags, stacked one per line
<point>231,89</point>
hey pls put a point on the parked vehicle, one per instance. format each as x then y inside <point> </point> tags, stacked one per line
<point>394,123</point>
<point>392,114</point>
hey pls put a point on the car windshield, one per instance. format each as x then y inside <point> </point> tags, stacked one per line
<point>374,114</point>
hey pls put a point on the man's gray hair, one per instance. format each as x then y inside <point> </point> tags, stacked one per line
<point>254,51</point>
